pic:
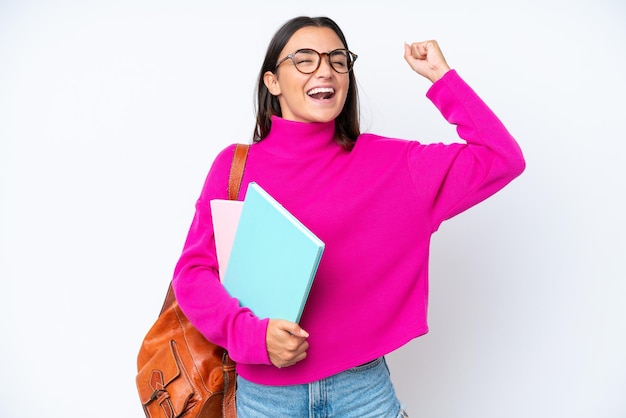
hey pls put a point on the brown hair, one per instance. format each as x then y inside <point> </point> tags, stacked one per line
<point>347,124</point>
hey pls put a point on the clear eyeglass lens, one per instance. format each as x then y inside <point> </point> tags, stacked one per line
<point>339,61</point>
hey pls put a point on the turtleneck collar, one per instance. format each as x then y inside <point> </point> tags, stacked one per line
<point>289,139</point>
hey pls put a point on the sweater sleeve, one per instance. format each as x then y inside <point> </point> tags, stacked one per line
<point>457,176</point>
<point>197,287</point>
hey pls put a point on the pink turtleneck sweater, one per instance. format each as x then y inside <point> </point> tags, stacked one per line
<point>375,208</point>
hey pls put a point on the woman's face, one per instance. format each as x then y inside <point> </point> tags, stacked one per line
<point>315,97</point>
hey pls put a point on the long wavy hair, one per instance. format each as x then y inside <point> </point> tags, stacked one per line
<point>347,124</point>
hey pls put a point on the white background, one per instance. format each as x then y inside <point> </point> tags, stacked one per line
<point>111,113</point>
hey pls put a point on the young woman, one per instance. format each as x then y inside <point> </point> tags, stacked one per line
<point>374,201</point>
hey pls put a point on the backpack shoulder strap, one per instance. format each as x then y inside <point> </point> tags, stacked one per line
<point>236,170</point>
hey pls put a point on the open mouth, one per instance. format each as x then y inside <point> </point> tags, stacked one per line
<point>321,93</point>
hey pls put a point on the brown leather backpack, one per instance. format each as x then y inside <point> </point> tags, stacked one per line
<point>180,373</point>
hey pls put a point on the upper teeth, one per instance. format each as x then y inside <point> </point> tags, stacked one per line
<point>321,90</point>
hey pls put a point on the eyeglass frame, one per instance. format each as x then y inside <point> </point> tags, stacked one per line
<point>351,59</point>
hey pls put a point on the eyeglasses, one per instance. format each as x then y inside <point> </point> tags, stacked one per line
<point>307,61</point>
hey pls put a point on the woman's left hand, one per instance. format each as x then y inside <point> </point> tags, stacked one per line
<point>426,59</point>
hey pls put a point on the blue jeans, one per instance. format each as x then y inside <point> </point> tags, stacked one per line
<point>361,392</point>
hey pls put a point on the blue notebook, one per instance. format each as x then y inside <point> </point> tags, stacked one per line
<point>273,259</point>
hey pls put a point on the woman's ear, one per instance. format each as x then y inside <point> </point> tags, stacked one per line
<point>271,82</point>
